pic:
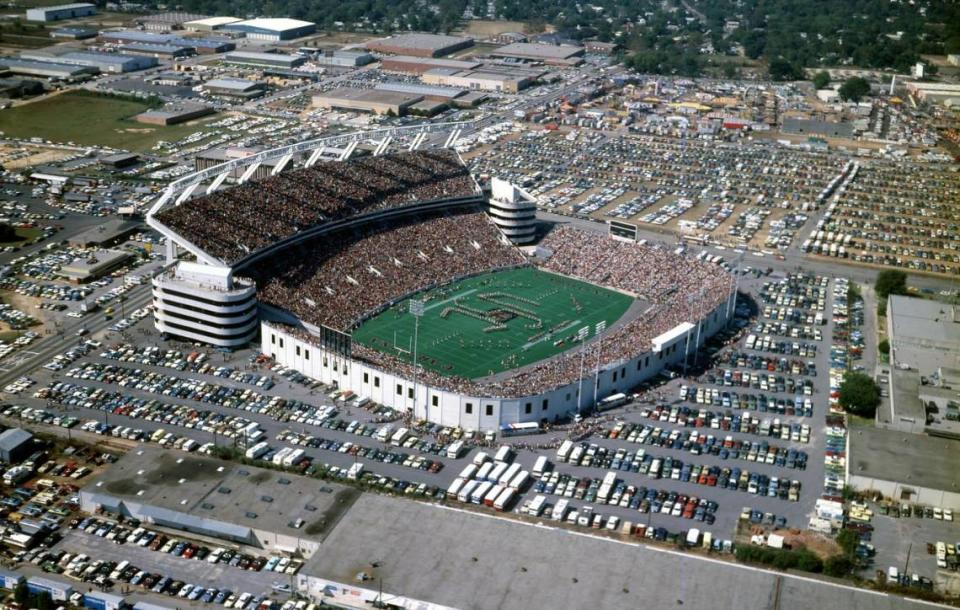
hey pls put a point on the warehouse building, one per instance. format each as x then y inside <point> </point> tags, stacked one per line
<point>110,233</point>
<point>486,78</point>
<point>814,127</point>
<point>344,59</point>
<point>935,93</point>
<point>108,63</point>
<point>264,60</point>
<point>237,88</point>
<point>74,33</point>
<point>924,338</point>
<point>905,467</point>
<point>61,12</point>
<point>202,46</point>
<point>47,69</point>
<point>272,29</point>
<point>95,265</point>
<point>15,445</point>
<point>428,92</point>
<point>58,591</point>
<point>420,555</point>
<point>408,64</point>
<point>166,22</point>
<point>210,24</point>
<point>420,45</point>
<point>13,88</point>
<point>159,51</point>
<point>172,114</point>
<point>265,509</point>
<point>554,55</point>
<point>215,156</point>
<point>367,100</point>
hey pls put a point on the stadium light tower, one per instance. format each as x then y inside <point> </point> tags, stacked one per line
<point>599,328</point>
<point>732,301</point>
<point>416,310</point>
<point>581,336</point>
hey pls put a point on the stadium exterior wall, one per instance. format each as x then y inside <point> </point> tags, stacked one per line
<point>449,408</point>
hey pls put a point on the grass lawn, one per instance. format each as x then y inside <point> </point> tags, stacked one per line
<point>88,118</point>
<point>494,322</point>
<point>24,236</point>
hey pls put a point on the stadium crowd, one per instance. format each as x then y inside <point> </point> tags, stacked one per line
<point>231,223</point>
<point>679,288</point>
<point>335,280</point>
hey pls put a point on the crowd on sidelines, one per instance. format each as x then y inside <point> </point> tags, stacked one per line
<point>231,223</point>
<point>679,288</point>
<point>336,280</point>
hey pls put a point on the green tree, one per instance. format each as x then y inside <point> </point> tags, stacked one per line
<point>854,89</point>
<point>43,601</point>
<point>884,347</point>
<point>838,566</point>
<point>7,233</point>
<point>781,69</point>
<point>21,594</point>
<point>890,281</point>
<point>848,541</point>
<point>859,394</point>
<point>821,79</point>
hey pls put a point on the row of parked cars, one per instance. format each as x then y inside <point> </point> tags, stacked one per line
<point>386,456</point>
<point>800,405</point>
<point>758,362</point>
<point>195,362</point>
<point>641,499</point>
<point>728,421</point>
<point>782,329</point>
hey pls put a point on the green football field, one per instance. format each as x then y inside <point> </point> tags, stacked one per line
<point>494,322</point>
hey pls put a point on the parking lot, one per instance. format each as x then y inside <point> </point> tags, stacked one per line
<point>748,431</point>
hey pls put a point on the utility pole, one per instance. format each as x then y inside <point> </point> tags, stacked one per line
<point>416,310</point>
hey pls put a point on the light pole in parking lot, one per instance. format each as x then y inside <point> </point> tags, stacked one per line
<point>581,336</point>
<point>416,310</point>
<point>732,301</point>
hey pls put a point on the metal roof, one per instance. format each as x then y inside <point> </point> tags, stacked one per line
<point>13,438</point>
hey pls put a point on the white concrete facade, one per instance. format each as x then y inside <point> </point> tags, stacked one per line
<point>514,211</point>
<point>449,408</point>
<point>205,303</point>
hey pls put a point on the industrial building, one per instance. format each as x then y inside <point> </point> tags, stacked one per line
<point>95,265</point>
<point>58,591</point>
<point>420,555</point>
<point>108,63</point>
<point>166,22</point>
<point>905,467</point>
<point>159,51</point>
<point>215,156</point>
<point>61,12</point>
<point>12,88</point>
<point>367,100</point>
<point>555,55</point>
<point>240,504</point>
<point>420,45</point>
<point>429,92</point>
<point>119,161</point>
<point>264,60</point>
<point>272,29</point>
<point>172,114</point>
<point>202,46</point>
<point>46,69</point>
<point>491,77</point>
<point>237,88</point>
<point>344,59</point>
<point>209,24</point>
<point>74,33</point>
<point>15,445</point>
<point>924,338</point>
<point>408,64</point>
<point>935,93</point>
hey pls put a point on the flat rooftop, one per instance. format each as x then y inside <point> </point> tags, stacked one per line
<point>911,459</point>
<point>926,333</point>
<point>419,42</point>
<point>375,96</point>
<point>111,229</point>
<point>465,560</point>
<point>536,50</point>
<point>224,491</point>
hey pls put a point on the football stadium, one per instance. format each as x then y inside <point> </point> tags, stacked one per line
<point>378,264</point>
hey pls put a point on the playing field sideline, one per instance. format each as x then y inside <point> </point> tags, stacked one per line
<point>494,322</point>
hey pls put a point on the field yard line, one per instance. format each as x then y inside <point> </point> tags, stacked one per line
<point>549,335</point>
<point>453,298</point>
